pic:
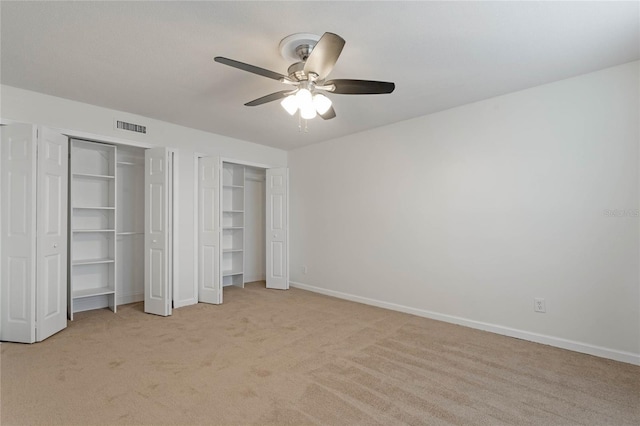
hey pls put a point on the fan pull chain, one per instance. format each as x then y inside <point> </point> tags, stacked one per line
<point>306,123</point>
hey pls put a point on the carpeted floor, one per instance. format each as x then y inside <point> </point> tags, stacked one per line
<point>295,357</point>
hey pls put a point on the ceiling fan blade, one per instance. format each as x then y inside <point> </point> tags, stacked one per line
<point>269,98</point>
<point>331,113</point>
<point>360,87</point>
<point>249,68</point>
<point>324,55</point>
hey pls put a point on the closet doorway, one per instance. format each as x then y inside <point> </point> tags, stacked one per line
<point>120,227</point>
<point>242,226</point>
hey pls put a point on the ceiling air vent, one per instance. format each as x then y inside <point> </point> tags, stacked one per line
<point>123,125</point>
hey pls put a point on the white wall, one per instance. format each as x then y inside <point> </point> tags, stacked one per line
<point>31,107</point>
<point>468,214</point>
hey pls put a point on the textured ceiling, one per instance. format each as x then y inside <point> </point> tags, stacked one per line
<point>156,58</point>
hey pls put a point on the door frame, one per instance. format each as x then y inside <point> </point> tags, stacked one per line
<point>196,190</point>
<point>174,182</point>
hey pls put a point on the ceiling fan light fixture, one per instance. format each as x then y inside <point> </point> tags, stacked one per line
<point>290,104</point>
<point>305,103</point>
<point>321,103</point>
<point>304,98</point>
<point>308,113</point>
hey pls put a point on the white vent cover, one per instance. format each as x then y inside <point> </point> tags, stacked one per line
<point>131,127</point>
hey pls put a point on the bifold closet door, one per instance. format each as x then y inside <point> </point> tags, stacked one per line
<point>18,233</point>
<point>209,274</point>
<point>157,257</point>
<point>277,229</point>
<point>52,237</point>
<point>33,220</point>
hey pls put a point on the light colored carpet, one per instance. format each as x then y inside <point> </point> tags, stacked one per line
<point>295,357</point>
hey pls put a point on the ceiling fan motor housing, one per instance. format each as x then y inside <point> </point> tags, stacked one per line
<point>296,71</point>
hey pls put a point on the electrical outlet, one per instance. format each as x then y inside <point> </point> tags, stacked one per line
<point>304,269</point>
<point>539,305</point>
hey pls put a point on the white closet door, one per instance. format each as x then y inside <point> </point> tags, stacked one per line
<point>52,188</point>
<point>157,298</point>
<point>277,228</point>
<point>209,274</point>
<point>18,270</point>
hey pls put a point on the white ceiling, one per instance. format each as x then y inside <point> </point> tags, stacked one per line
<point>156,58</point>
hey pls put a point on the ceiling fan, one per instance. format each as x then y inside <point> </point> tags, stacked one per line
<point>314,59</point>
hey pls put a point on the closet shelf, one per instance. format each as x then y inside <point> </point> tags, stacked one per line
<point>77,294</point>
<point>230,273</point>
<point>233,211</point>
<point>232,250</point>
<point>91,261</point>
<point>88,175</point>
<point>93,230</point>
<point>232,227</point>
<point>93,208</point>
<point>130,233</point>
<point>233,186</point>
<point>128,163</point>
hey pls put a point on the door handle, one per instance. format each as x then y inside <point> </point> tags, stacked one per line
<point>154,241</point>
<point>55,245</point>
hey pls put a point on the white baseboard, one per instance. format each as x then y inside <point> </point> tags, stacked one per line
<point>571,345</point>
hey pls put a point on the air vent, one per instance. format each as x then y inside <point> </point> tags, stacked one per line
<point>123,125</point>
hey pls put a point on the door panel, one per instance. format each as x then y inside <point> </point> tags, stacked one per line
<point>18,227</point>
<point>277,259</point>
<point>18,294</point>
<point>157,297</point>
<point>157,269</point>
<point>209,274</point>
<point>51,283</point>
<point>53,266</point>
<point>277,229</point>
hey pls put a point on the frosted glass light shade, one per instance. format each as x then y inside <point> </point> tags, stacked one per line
<point>290,104</point>
<point>304,98</point>
<point>321,103</point>
<point>308,112</point>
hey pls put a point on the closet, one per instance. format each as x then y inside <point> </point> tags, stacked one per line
<point>83,225</point>
<point>106,223</point>
<point>242,226</point>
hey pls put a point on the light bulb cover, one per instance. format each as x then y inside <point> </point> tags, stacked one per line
<point>304,98</point>
<point>308,112</point>
<point>290,104</point>
<point>321,103</point>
